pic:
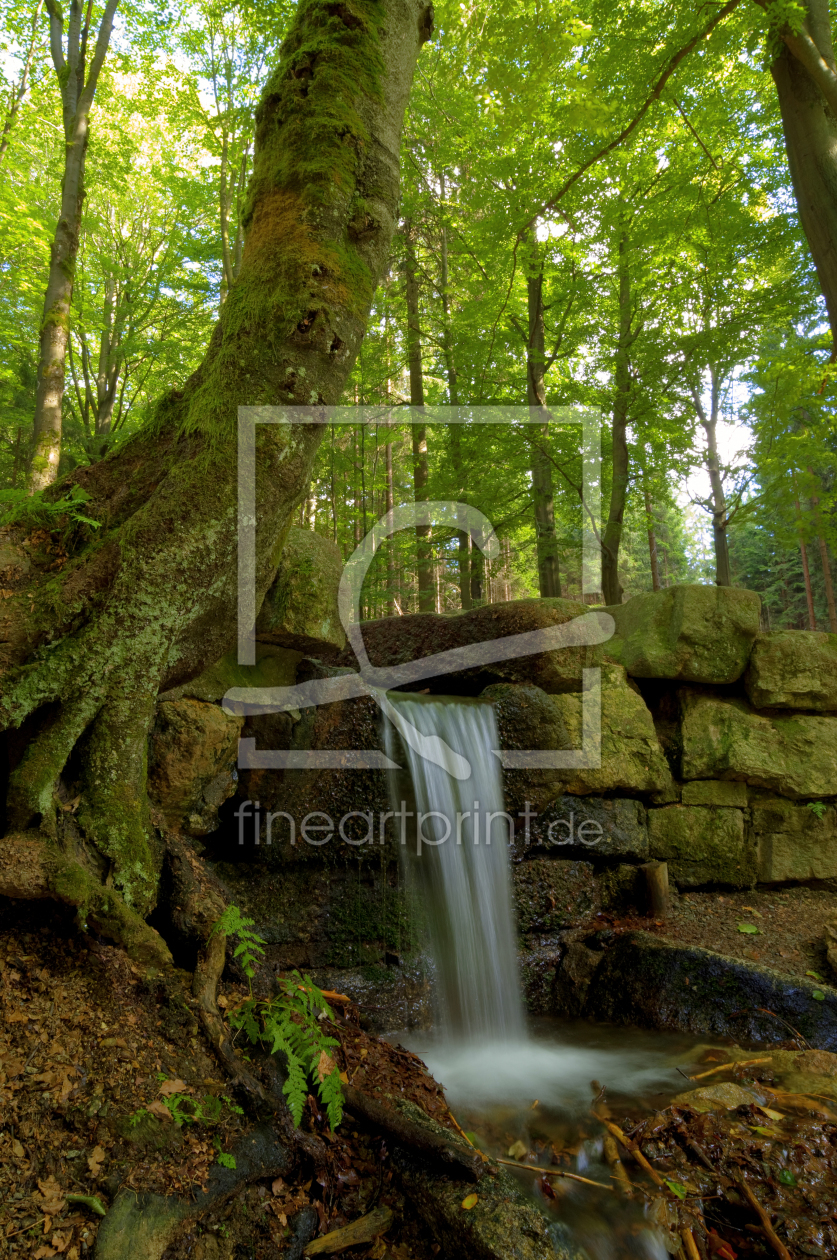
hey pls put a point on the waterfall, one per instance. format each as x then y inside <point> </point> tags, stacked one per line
<point>458,857</point>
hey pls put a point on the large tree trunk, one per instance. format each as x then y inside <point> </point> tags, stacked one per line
<point>805,75</point>
<point>151,598</point>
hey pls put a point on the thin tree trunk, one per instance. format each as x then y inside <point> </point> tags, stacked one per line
<point>391,574</point>
<point>612,537</point>
<point>463,537</point>
<point>77,100</point>
<point>18,92</point>
<point>424,553</point>
<point>806,570</point>
<point>825,560</point>
<point>549,580</point>
<point>709,423</point>
<point>652,538</point>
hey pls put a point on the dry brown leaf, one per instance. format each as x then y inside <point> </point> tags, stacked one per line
<point>325,1065</point>
<point>174,1087</point>
<point>277,1187</point>
<point>61,1239</point>
<point>159,1109</point>
<point>17,1150</point>
<point>95,1160</point>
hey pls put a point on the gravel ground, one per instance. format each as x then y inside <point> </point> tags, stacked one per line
<point>789,927</point>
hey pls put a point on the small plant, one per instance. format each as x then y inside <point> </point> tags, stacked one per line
<point>289,1023</point>
<point>18,507</point>
<point>817,807</point>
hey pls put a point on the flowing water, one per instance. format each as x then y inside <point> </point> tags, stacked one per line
<point>508,1082</point>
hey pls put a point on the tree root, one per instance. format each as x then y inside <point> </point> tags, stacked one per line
<point>396,1126</point>
<point>32,870</point>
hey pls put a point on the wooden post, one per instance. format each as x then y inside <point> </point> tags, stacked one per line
<point>656,878</point>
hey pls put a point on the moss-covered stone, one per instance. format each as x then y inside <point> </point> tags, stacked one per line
<point>300,609</point>
<point>194,749</point>
<point>632,760</point>
<point>695,633</point>
<point>722,792</point>
<point>793,669</point>
<point>727,739</point>
<point>794,842</point>
<point>598,827</point>
<point>702,845</point>
<point>274,667</point>
<point>551,893</point>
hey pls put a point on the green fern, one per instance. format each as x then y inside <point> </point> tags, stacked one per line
<point>288,1023</point>
<point>818,808</point>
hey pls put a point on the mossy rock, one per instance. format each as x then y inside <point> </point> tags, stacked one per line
<point>702,845</point>
<point>793,669</point>
<point>599,827</point>
<point>194,747</point>
<point>274,667</point>
<point>694,633</point>
<point>794,842</point>
<point>550,893</point>
<point>632,760</point>
<point>795,756</point>
<point>300,610</point>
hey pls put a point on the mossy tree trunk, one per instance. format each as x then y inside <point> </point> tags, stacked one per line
<point>150,598</point>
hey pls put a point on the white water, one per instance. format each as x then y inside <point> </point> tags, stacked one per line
<point>462,870</point>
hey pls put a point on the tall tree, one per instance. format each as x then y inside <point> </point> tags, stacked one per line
<point>77,81</point>
<point>150,598</point>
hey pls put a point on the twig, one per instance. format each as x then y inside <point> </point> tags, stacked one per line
<point>556,1172</point>
<point>633,1147</point>
<point>25,1228</point>
<point>689,1244</point>
<point>722,1067</point>
<point>775,1242</point>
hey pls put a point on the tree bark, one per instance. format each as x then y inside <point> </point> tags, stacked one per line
<point>612,537</point>
<point>709,423</point>
<point>463,537</point>
<point>549,580</point>
<point>424,554</point>
<point>652,538</point>
<point>825,559</point>
<point>806,569</point>
<point>805,76</point>
<point>150,599</point>
<point>78,88</point>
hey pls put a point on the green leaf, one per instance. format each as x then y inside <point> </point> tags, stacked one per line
<point>749,928</point>
<point>676,1187</point>
<point>818,995</point>
<point>813,975</point>
<point>226,1160</point>
<point>786,1177</point>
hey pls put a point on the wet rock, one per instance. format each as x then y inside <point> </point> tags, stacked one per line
<point>601,827</point>
<point>794,842</point>
<point>702,845</point>
<point>632,760</point>
<point>725,1096</point>
<point>727,739</point>
<point>502,1225</point>
<point>831,944</point>
<point>726,794</point>
<point>655,983</point>
<point>793,669</point>
<point>694,633</point>
<point>194,747</point>
<point>550,893</point>
<point>399,640</point>
<point>574,977</point>
<point>300,609</point>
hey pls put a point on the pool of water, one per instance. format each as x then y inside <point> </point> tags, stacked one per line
<point>532,1098</point>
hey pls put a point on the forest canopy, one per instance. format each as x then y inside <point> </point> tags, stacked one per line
<point>596,210</point>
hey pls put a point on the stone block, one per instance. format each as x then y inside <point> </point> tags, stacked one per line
<point>702,845</point>
<point>793,669</point>
<point>550,893</point>
<point>721,792</point>
<point>694,633</point>
<point>599,827</point>
<point>632,760</point>
<point>793,842</point>
<point>727,739</point>
<point>300,611</point>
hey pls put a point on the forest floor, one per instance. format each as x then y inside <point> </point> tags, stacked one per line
<point>778,928</point>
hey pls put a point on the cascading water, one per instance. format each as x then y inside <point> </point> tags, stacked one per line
<point>459,858</point>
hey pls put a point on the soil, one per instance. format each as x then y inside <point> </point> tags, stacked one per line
<point>789,927</point>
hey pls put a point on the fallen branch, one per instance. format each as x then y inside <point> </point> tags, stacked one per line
<point>556,1172</point>
<point>689,1244</point>
<point>766,1224</point>
<point>364,1230</point>
<point>723,1067</point>
<point>633,1147</point>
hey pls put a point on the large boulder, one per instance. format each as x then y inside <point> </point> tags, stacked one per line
<point>274,667</point>
<point>694,633</point>
<point>192,768</point>
<point>300,609</point>
<point>794,841</point>
<point>793,669</point>
<point>727,739</point>
<point>394,641</point>
<point>632,760</point>
<point>702,845</point>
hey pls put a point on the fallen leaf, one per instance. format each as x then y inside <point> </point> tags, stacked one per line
<point>325,1066</point>
<point>818,994</point>
<point>470,1200</point>
<point>773,1115</point>
<point>813,975</point>
<point>174,1087</point>
<point>17,1150</point>
<point>61,1241</point>
<point>159,1109</point>
<point>749,928</point>
<point>518,1151</point>
<point>277,1186</point>
<point>95,1160</point>
<point>16,1017</point>
<point>344,1077</point>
